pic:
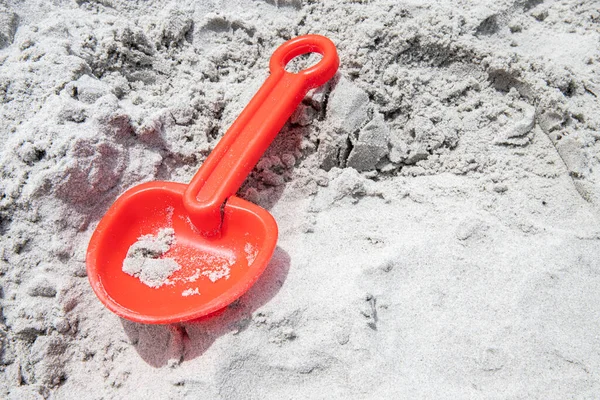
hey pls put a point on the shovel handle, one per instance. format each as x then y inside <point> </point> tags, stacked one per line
<point>236,154</point>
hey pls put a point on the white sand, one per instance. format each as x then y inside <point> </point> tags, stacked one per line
<point>144,258</point>
<point>437,203</point>
<point>251,253</point>
<point>191,292</point>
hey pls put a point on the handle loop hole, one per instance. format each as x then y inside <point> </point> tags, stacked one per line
<point>303,62</point>
<point>315,75</point>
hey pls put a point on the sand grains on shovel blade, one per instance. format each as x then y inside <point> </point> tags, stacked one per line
<point>190,292</point>
<point>143,259</point>
<point>251,253</point>
<point>214,267</point>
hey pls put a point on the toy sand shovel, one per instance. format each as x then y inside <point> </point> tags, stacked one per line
<point>209,222</point>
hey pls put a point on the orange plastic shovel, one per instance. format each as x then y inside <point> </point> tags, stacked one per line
<point>211,225</point>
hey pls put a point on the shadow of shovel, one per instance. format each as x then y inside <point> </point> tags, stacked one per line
<point>159,345</point>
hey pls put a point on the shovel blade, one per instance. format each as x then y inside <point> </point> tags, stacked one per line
<point>215,270</point>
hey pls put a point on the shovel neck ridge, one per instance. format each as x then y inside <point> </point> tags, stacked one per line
<point>236,154</point>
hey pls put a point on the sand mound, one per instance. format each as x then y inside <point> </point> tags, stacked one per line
<point>437,201</point>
